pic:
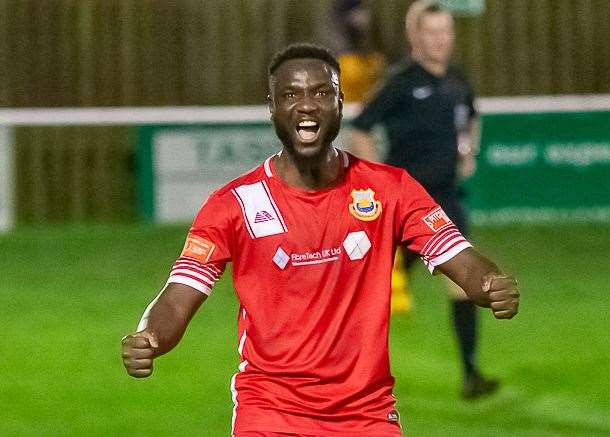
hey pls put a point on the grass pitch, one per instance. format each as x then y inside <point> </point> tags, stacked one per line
<point>68,295</point>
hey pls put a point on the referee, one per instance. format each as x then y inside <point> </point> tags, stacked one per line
<point>426,107</point>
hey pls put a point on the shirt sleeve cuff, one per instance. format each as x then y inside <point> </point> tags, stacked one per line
<point>176,279</point>
<point>432,263</point>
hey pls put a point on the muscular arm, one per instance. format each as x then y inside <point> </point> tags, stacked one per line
<point>363,145</point>
<point>161,328</point>
<point>171,314</point>
<point>483,282</point>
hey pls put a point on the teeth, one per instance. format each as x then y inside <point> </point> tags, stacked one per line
<point>307,124</point>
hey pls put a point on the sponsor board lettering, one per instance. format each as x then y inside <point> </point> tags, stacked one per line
<point>578,155</point>
<point>500,155</point>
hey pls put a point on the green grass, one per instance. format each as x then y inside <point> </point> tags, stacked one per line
<point>68,295</point>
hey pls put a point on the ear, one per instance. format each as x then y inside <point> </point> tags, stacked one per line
<point>341,98</point>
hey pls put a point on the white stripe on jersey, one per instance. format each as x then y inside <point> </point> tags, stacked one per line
<point>202,269</point>
<point>268,167</point>
<point>432,263</point>
<point>187,273</point>
<point>436,238</point>
<point>440,243</point>
<point>243,211</point>
<point>266,187</point>
<point>255,199</point>
<point>185,260</point>
<point>191,283</point>
<point>240,348</point>
<point>241,368</point>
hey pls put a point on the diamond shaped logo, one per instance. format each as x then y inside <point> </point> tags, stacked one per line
<point>281,258</point>
<point>356,244</point>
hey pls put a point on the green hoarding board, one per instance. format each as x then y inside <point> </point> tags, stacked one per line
<point>180,165</point>
<point>532,167</point>
<point>543,166</point>
<point>464,7</point>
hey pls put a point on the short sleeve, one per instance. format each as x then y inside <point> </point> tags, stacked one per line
<point>424,227</point>
<point>207,248</point>
<point>384,102</point>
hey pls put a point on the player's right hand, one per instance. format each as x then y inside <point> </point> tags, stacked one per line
<point>138,353</point>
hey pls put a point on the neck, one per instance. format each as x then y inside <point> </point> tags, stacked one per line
<point>434,67</point>
<point>313,173</point>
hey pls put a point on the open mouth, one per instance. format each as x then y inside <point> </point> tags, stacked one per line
<point>307,130</point>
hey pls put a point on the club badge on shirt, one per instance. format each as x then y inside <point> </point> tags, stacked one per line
<point>364,206</point>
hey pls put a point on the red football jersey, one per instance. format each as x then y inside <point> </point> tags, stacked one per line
<point>312,271</point>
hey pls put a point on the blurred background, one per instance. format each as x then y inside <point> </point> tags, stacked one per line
<point>119,116</point>
<point>89,53</point>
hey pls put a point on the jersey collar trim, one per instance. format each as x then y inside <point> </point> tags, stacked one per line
<point>267,166</point>
<point>267,163</point>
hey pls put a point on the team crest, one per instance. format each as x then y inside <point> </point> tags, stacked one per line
<point>364,206</point>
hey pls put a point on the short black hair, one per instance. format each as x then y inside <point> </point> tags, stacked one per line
<point>301,51</point>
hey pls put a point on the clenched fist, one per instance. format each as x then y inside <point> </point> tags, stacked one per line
<point>503,295</point>
<point>138,354</point>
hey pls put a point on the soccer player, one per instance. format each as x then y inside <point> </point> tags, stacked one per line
<point>426,107</point>
<point>311,234</point>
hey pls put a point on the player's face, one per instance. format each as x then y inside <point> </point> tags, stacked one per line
<point>306,106</point>
<point>436,37</point>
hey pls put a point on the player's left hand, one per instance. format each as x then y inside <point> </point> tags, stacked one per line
<point>503,295</point>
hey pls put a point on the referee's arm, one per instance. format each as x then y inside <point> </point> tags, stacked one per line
<point>363,145</point>
<point>385,101</point>
<point>468,149</point>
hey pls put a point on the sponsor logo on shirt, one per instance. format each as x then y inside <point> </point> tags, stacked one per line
<point>437,220</point>
<point>364,206</point>
<point>263,216</point>
<point>198,247</point>
<point>422,92</point>
<point>317,257</point>
<point>281,258</point>
<point>356,245</point>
